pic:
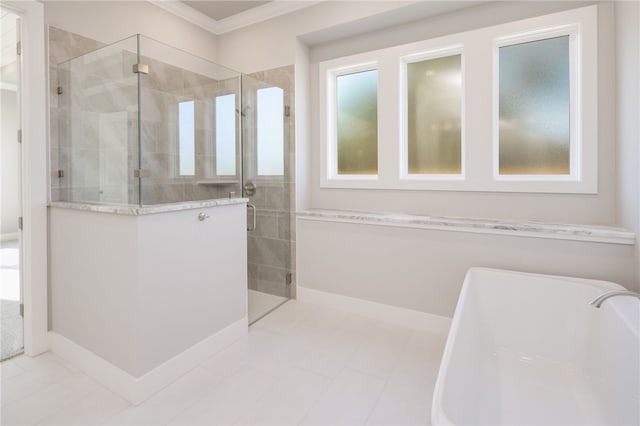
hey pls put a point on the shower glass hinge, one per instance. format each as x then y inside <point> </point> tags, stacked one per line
<point>140,69</point>
<point>288,278</point>
<point>19,48</point>
<point>287,111</point>
<point>22,310</point>
<point>20,222</point>
<point>140,173</point>
<point>59,173</point>
<point>59,90</point>
<point>19,135</point>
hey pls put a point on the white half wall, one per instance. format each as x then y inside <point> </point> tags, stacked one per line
<point>423,269</point>
<point>139,290</point>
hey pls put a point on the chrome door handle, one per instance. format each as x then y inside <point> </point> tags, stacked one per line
<point>202,217</point>
<point>253,222</point>
<point>249,188</point>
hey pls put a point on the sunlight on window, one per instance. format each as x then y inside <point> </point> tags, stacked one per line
<point>186,138</point>
<point>357,123</point>
<point>434,116</point>
<point>535,108</point>
<point>270,131</point>
<point>226,135</point>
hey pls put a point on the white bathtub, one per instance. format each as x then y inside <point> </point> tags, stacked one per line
<point>528,349</point>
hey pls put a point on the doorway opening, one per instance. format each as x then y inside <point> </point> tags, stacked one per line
<point>11,307</point>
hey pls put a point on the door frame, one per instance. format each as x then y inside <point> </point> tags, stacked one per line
<point>33,102</point>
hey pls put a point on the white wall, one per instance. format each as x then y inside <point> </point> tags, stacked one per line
<point>9,155</point>
<point>110,21</point>
<point>423,269</point>
<point>272,43</point>
<point>628,116</point>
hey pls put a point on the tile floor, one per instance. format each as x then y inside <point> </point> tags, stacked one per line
<point>301,364</point>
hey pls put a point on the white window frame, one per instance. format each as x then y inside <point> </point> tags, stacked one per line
<point>479,115</point>
<point>330,107</point>
<point>404,114</point>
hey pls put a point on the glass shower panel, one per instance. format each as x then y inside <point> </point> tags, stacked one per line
<point>184,127</point>
<point>98,118</point>
<point>267,180</point>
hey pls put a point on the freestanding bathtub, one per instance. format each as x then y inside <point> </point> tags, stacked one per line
<point>528,349</point>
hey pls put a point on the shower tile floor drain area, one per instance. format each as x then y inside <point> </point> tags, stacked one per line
<point>260,304</point>
<point>300,364</point>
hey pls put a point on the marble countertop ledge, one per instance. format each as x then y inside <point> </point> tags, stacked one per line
<point>151,209</point>
<point>591,233</point>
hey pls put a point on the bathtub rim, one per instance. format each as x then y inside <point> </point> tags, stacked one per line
<point>438,414</point>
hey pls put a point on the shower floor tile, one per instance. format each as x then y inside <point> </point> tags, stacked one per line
<point>262,303</point>
<point>300,364</point>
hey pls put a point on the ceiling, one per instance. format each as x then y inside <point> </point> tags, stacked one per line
<point>220,10</point>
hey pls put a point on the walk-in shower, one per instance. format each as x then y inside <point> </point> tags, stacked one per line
<point>140,123</point>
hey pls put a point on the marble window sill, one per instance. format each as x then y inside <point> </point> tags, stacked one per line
<point>575,232</point>
<point>145,210</point>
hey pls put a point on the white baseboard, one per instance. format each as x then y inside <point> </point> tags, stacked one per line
<point>9,236</point>
<point>138,389</point>
<point>393,314</point>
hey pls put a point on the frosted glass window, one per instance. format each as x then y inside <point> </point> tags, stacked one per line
<point>434,116</point>
<point>357,123</point>
<point>226,135</point>
<point>186,138</point>
<point>270,131</point>
<point>534,108</point>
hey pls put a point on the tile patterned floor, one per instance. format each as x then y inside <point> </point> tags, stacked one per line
<point>301,364</point>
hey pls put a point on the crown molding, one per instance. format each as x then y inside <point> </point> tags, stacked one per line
<point>187,13</point>
<point>243,19</point>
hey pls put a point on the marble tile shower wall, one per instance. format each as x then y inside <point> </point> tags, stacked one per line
<point>98,150</point>
<point>161,91</point>
<point>63,46</point>
<point>271,247</point>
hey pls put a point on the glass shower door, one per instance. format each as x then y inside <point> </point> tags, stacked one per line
<point>268,185</point>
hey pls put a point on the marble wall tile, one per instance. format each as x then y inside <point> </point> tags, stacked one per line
<point>159,193</point>
<point>64,45</point>
<point>162,76</point>
<point>266,225</point>
<point>273,287</point>
<point>252,283</point>
<point>267,251</point>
